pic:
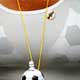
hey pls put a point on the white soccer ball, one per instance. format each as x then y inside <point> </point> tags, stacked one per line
<point>32,73</point>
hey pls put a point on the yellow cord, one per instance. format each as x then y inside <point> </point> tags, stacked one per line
<point>43,35</point>
<point>25,31</point>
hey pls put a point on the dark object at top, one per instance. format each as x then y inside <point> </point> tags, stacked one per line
<point>27,5</point>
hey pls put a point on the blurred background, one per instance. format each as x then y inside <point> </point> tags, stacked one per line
<point>59,61</point>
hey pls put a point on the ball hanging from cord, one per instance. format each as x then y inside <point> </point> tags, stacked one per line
<point>32,73</point>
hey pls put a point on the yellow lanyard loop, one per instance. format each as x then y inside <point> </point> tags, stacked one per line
<point>26,33</point>
<point>43,34</point>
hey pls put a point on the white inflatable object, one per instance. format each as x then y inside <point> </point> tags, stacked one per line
<point>2,33</point>
<point>32,73</point>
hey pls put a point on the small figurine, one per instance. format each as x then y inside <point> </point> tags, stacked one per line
<point>32,73</point>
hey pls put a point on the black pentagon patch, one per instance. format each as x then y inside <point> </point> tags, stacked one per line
<point>35,78</point>
<point>42,74</point>
<point>24,78</point>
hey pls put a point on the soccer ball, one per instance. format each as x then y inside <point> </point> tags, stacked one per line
<point>32,73</point>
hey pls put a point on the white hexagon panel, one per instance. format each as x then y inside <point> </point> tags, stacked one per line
<point>5,45</point>
<point>68,42</point>
<point>72,35</point>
